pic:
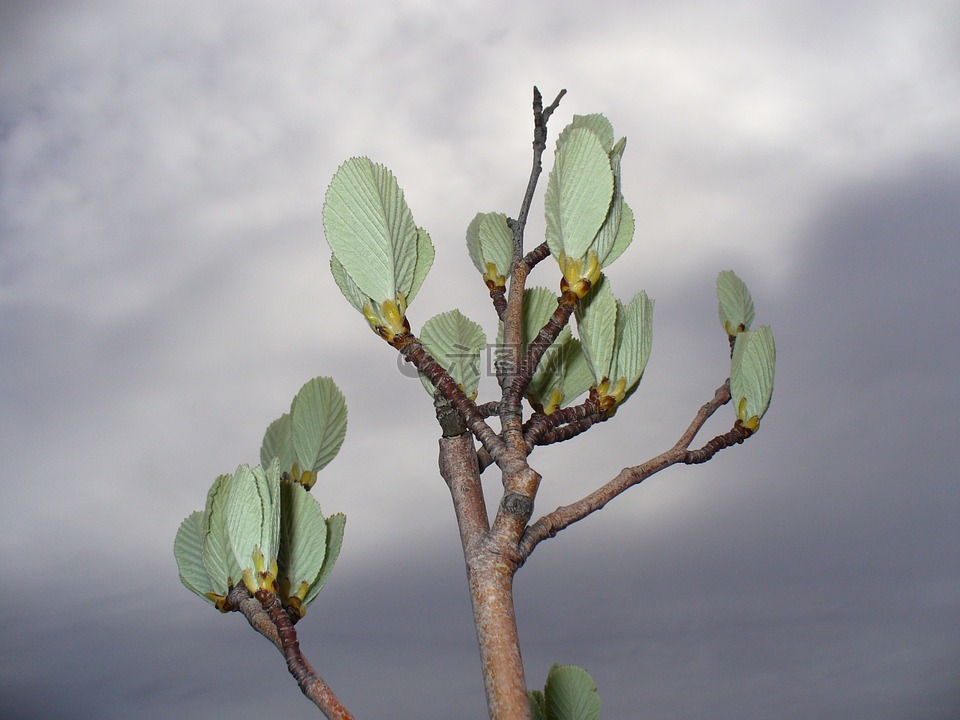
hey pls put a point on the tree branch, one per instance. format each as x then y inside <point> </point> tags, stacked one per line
<point>413,352</point>
<point>566,304</point>
<point>552,523</point>
<point>311,684</point>
<point>273,622</point>
<point>510,411</point>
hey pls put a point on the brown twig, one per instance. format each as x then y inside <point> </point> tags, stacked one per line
<point>538,426</point>
<point>535,256</point>
<point>735,436</point>
<point>566,304</point>
<point>511,412</point>
<point>311,684</point>
<point>552,523</point>
<point>414,353</point>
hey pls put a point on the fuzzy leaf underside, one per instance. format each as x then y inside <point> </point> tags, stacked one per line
<point>188,550</point>
<point>318,422</point>
<point>370,229</point>
<point>751,373</point>
<point>578,195</point>
<point>455,341</point>
<point>736,304</point>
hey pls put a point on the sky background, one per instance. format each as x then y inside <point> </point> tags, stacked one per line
<point>164,293</point>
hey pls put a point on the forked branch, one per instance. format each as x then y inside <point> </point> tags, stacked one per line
<point>552,523</point>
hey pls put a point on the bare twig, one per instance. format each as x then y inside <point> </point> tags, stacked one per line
<point>566,304</point>
<point>533,258</point>
<point>414,353</point>
<point>552,523</point>
<point>538,426</point>
<point>512,316</point>
<point>273,622</point>
<point>737,435</point>
<point>311,684</point>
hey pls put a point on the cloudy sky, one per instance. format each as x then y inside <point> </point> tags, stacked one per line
<point>164,293</point>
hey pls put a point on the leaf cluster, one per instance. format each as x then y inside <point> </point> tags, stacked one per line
<point>261,526</point>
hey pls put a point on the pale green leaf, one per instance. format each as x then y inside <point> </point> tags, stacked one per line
<point>370,228</point>
<point>319,423</point>
<point>253,514</point>
<point>596,325</point>
<point>736,304</point>
<point>539,304</point>
<point>490,240</point>
<point>455,341</point>
<point>278,443</point>
<point>547,381</point>
<point>188,550</point>
<point>577,376</point>
<point>595,123</point>
<point>578,195</point>
<point>335,527</point>
<point>348,287</point>
<point>218,560</point>
<point>609,231</point>
<point>634,339</point>
<point>303,536</point>
<point>624,234</point>
<point>571,694</point>
<point>751,374</point>
<point>410,285</point>
<point>537,709</point>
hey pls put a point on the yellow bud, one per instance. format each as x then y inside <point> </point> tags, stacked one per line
<point>553,404</point>
<point>492,278</point>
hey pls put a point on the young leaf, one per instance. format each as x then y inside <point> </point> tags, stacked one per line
<point>218,560</point>
<point>253,524</point>
<point>596,324</point>
<point>425,255</point>
<point>303,542</point>
<point>751,374</point>
<point>571,694</point>
<point>188,550</point>
<point>624,234</point>
<point>370,229</point>
<point>595,123</point>
<point>490,244</point>
<point>578,195</point>
<point>608,234</point>
<point>278,443</point>
<point>634,340</point>
<point>455,341</point>
<point>319,424</point>
<point>736,304</point>
<point>538,710</point>
<point>335,527</point>
<point>348,287</point>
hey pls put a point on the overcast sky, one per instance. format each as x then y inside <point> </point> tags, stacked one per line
<point>164,292</point>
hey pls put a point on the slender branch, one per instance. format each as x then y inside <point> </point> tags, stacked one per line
<point>566,304</point>
<point>552,523</point>
<point>571,429</point>
<point>737,435</point>
<point>253,611</point>
<point>541,424</point>
<point>311,684</point>
<point>273,622</point>
<point>510,411</point>
<point>414,353</point>
<point>539,253</point>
